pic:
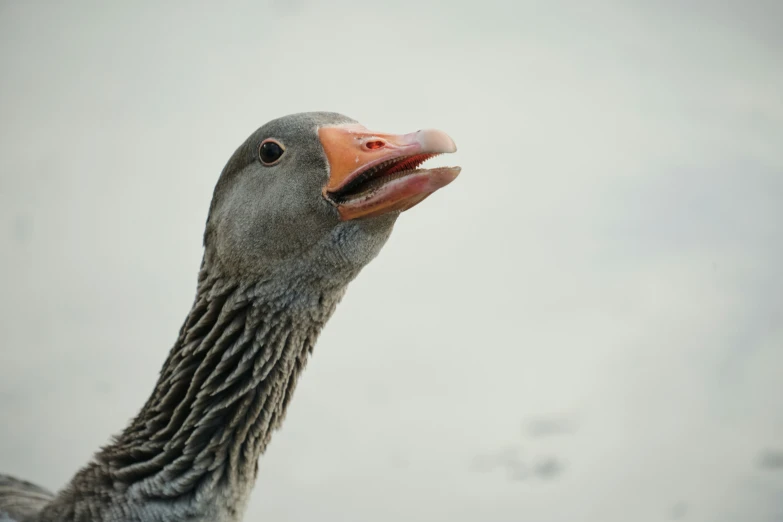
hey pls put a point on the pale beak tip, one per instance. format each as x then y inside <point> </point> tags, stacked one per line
<point>436,141</point>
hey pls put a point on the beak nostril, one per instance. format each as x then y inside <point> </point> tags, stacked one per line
<point>375,144</point>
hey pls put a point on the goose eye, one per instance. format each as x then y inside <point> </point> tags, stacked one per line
<point>270,151</point>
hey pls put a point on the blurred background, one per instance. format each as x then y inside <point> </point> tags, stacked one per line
<point>586,325</point>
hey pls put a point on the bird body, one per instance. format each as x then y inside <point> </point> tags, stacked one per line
<point>300,208</point>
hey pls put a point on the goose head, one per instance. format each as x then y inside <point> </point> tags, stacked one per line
<point>318,192</point>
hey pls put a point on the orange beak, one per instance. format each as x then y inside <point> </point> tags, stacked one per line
<point>372,173</point>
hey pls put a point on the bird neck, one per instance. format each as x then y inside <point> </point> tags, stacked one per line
<point>192,452</point>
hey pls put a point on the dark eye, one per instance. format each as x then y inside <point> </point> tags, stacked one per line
<point>270,151</point>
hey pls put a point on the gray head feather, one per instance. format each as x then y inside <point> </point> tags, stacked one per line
<point>265,219</point>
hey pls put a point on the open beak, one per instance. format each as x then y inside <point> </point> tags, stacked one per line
<point>372,173</point>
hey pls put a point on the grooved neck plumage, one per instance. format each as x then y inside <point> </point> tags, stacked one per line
<point>192,451</point>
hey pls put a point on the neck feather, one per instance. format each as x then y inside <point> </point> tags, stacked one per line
<point>192,451</point>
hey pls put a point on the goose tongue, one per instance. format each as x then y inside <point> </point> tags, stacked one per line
<point>372,173</point>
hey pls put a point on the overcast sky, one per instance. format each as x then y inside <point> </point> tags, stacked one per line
<point>586,325</point>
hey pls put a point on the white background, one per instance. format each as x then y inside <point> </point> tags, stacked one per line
<point>586,325</point>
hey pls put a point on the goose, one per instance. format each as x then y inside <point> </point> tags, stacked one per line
<point>299,209</point>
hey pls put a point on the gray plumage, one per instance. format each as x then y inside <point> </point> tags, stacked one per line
<point>277,260</point>
<point>20,499</point>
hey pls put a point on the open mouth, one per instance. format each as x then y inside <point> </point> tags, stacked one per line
<point>373,173</point>
<point>376,176</point>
